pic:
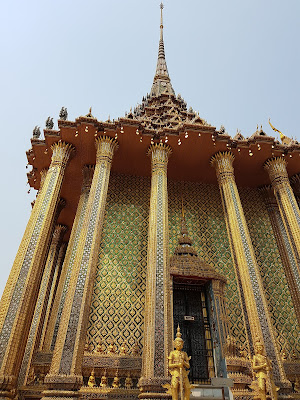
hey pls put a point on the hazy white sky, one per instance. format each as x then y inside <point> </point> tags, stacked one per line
<point>236,62</point>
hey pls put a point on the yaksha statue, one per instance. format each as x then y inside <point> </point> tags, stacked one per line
<point>263,383</point>
<point>178,367</point>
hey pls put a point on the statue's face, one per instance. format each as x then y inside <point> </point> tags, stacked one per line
<point>178,344</point>
<point>259,349</point>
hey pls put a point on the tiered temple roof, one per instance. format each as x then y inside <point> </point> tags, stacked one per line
<point>186,262</point>
<point>162,116</point>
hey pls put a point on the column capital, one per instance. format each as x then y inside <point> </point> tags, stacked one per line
<point>87,172</point>
<point>223,163</point>
<point>276,168</point>
<point>105,146</point>
<point>58,233</point>
<point>295,182</point>
<point>223,160</point>
<point>268,195</point>
<point>61,204</point>
<point>61,153</point>
<point>159,153</point>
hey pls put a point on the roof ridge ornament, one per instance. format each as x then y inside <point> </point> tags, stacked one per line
<point>284,139</point>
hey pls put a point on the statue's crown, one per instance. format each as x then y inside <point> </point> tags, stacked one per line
<point>178,334</point>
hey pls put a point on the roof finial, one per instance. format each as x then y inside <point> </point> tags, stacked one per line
<point>284,139</point>
<point>161,82</point>
<point>161,18</point>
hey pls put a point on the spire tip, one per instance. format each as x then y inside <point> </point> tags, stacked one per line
<point>161,16</point>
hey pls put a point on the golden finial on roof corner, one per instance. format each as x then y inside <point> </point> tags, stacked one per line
<point>90,115</point>
<point>284,139</point>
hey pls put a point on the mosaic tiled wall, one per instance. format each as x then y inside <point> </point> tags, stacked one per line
<point>118,299</point>
<point>207,228</point>
<point>269,262</point>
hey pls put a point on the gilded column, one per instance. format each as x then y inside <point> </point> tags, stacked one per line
<point>289,261</point>
<point>65,376</point>
<point>41,304</point>
<point>157,323</point>
<point>288,206</point>
<point>43,174</point>
<point>295,183</point>
<point>48,342</point>
<point>245,263</point>
<point>56,279</point>
<point>20,294</point>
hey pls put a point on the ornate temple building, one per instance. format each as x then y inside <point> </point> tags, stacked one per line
<point>143,224</point>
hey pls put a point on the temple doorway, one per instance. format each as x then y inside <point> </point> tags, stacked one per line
<point>190,312</point>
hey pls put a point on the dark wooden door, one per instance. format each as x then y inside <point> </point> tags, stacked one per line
<point>188,313</point>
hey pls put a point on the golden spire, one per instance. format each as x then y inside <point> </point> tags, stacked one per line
<point>161,74</point>
<point>161,18</point>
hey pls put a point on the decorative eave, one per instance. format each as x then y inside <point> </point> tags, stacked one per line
<point>37,142</point>
<point>51,133</point>
<point>193,145</point>
<point>65,124</point>
<point>193,267</point>
<point>88,120</point>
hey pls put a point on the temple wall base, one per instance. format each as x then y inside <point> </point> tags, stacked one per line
<point>151,388</point>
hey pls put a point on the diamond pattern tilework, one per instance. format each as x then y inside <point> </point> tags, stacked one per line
<point>118,299</point>
<point>271,269</point>
<point>207,228</point>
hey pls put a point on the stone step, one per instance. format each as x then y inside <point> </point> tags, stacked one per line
<point>207,393</point>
